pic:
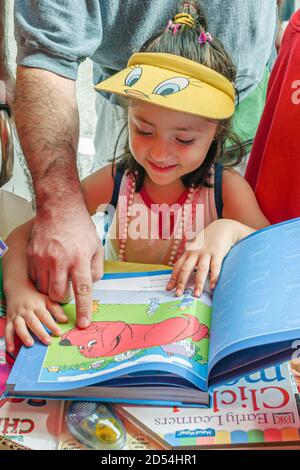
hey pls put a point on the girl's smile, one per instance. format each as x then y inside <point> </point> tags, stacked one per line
<point>162,168</point>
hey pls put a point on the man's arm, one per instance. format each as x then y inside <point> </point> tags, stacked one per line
<point>47,118</point>
<point>63,244</point>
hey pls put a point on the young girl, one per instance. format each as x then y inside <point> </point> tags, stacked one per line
<point>174,203</point>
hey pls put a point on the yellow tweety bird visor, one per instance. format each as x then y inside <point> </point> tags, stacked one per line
<point>174,82</point>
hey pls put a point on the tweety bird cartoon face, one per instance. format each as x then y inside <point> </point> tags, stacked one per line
<point>174,82</point>
<point>166,87</point>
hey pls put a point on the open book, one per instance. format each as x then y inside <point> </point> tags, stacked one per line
<point>147,346</point>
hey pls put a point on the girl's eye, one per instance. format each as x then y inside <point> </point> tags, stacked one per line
<point>138,131</point>
<point>185,142</point>
<point>133,76</point>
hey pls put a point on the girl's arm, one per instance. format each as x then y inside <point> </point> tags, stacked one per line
<point>14,262</point>
<point>26,307</point>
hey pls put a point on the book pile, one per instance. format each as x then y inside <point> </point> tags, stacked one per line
<point>260,410</point>
<point>30,424</point>
<point>147,347</point>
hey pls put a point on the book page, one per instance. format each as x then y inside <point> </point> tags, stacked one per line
<point>257,299</point>
<point>142,329</point>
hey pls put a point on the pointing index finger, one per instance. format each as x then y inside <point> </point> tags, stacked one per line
<point>82,285</point>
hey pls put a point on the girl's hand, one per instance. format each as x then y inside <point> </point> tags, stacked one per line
<point>28,309</point>
<point>206,253</point>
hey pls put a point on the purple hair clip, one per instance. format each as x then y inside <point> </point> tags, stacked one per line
<point>173,26</point>
<point>204,38</point>
<point>169,25</point>
<point>176,28</point>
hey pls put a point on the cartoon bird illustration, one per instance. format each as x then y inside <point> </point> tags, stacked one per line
<point>95,306</point>
<point>153,306</point>
<point>173,82</point>
<point>187,301</point>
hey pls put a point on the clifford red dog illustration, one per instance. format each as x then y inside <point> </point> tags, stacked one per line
<point>104,339</point>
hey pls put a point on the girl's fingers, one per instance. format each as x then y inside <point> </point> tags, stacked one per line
<point>33,323</point>
<point>43,317</point>
<point>215,268</point>
<point>173,280</point>
<point>9,337</point>
<point>56,310</point>
<point>185,272</point>
<point>201,274</point>
<point>22,331</point>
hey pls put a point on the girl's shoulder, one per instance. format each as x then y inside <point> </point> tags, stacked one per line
<point>239,201</point>
<point>230,175</point>
<point>233,182</point>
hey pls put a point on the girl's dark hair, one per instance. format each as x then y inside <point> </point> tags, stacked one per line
<point>213,55</point>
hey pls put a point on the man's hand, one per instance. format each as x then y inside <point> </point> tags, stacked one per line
<point>66,249</point>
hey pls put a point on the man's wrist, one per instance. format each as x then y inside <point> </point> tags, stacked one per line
<point>60,187</point>
<point>53,203</point>
<point>58,203</point>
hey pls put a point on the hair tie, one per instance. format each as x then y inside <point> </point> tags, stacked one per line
<point>204,38</point>
<point>182,19</point>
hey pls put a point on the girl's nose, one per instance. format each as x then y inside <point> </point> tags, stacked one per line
<point>159,151</point>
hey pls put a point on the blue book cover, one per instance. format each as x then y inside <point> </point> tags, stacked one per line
<point>256,305</point>
<point>147,346</point>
